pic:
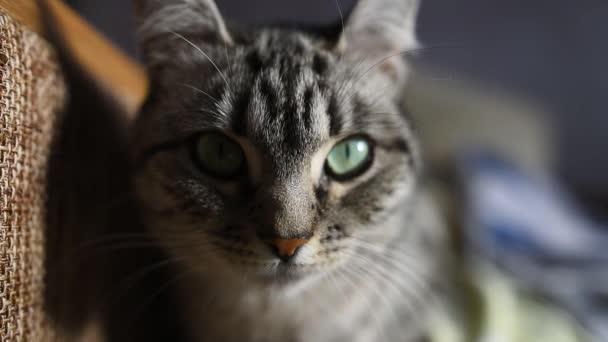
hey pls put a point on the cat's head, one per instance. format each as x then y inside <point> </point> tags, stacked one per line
<point>273,152</point>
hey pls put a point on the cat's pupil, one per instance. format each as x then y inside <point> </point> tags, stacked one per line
<point>349,158</point>
<point>217,154</point>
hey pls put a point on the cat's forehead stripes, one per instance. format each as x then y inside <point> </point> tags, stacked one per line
<point>289,101</point>
<point>286,96</point>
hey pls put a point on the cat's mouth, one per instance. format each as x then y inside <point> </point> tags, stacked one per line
<point>269,270</point>
<point>286,272</point>
<point>273,261</point>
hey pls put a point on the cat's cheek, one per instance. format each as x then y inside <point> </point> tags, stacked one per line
<point>337,190</point>
<point>152,195</point>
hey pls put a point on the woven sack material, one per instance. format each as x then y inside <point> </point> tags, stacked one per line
<point>31,94</point>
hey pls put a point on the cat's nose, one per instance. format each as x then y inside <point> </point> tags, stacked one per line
<point>285,249</point>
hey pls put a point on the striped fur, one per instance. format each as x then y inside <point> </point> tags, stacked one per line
<point>287,96</point>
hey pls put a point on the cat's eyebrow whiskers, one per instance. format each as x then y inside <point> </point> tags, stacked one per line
<point>215,100</point>
<point>341,42</point>
<point>228,59</point>
<point>204,54</point>
<point>378,95</point>
<point>348,85</point>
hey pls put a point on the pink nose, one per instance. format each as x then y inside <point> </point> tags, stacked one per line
<point>286,248</point>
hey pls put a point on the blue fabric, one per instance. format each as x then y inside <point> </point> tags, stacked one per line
<point>535,231</point>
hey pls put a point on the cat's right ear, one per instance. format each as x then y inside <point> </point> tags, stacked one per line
<point>168,29</point>
<point>379,33</point>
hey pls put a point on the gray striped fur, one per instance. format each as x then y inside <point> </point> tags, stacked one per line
<point>287,96</point>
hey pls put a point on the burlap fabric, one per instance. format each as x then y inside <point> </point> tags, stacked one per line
<point>31,93</point>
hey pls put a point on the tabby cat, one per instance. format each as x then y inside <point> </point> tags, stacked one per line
<point>279,172</point>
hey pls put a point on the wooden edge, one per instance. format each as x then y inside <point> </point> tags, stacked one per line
<point>119,74</point>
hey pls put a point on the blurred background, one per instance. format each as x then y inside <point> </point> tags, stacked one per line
<point>551,52</point>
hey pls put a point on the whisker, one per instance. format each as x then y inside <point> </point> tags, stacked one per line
<point>370,272</point>
<point>416,293</point>
<point>400,255</point>
<point>378,95</point>
<point>204,54</point>
<point>158,292</point>
<point>327,308</point>
<point>374,314</point>
<point>349,85</point>
<point>131,281</point>
<point>335,284</point>
<point>411,271</point>
<point>343,28</point>
<point>215,101</point>
<point>228,58</point>
<point>382,252</point>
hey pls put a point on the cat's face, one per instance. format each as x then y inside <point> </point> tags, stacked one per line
<point>271,154</point>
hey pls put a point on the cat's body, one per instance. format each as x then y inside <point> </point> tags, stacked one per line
<point>195,257</point>
<point>259,224</point>
<point>370,243</point>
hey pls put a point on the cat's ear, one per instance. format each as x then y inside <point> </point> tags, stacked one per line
<point>381,32</point>
<point>166,27</point>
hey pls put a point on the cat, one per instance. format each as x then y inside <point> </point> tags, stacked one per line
<point>277,170</point>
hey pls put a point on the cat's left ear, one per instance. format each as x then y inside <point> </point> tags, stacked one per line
<point>380,33</point>
<point>164,26</point>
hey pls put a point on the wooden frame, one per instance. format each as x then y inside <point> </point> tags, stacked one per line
<point>122,76</point>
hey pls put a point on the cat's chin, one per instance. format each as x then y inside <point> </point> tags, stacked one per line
<point>285,273</point>
<point>273,273</point>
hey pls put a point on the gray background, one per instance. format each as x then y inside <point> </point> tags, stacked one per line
<point>552,51</point>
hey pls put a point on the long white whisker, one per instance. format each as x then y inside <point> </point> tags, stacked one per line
<point>341,16</point>
<point>343,29</point>
<point>379,249</point>
<point>204,54</point>
<point>228,59</point>
<point>411,269</point>
<point>374,314</point>
<point>385,272</point>
<point>415,298</point>
<point>348,87</point>
<point>411,288</point>
<point>372,271</point>
<point>215,101</point>
<point>311,296</point>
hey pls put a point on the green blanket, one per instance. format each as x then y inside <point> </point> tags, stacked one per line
<point>490,308</point>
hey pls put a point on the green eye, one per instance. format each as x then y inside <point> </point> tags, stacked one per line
<point>218,155</point>
<point>349,158</point>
